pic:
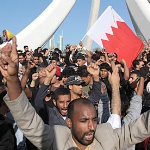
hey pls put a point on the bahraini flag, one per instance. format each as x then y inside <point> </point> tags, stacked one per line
<point>111,32</point>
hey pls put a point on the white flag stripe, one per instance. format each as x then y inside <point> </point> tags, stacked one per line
<point>103,25</point>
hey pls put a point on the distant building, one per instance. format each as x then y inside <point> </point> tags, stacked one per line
<point>59,45</point>
<point>60,42</point>
<point>51,42</point>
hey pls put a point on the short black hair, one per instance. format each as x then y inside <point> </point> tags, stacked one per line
<point>135,62</point>
<point>137,72</point>
<point>97,55</point>
<point>55,58</point>
<point>105,66</point>
<point>35,54</point>
<point>2,96</point>
<point>55,54</point>
<point>21,54</point>
<point>44,50</point>
<point>57,50</point>
<point>20,51</point>
<point>67,72</point>
<point>25,46</point>
<point>41,55</point>
<point>82,71</point>
<point>25,64</point>
<point>83,101</point>
<point>61,91</point>
<point>148,57</point>
<point>80,56</point>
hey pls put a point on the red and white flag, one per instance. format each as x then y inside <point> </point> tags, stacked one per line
<point>111,32</point>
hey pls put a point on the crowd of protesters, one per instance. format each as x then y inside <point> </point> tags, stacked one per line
<point>51,79</point>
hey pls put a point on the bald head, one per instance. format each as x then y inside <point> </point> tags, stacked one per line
<point>82,121</point>
<point>77,104</point>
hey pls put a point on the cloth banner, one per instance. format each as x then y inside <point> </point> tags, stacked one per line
<point>112,33</point>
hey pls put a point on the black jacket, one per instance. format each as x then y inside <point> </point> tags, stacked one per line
<point>7,135</point>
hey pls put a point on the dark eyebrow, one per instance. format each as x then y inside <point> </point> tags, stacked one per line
<point>95,118</point>
<point>84,118</point>
<point>87,118</point>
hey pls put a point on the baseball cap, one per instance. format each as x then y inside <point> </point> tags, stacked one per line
<point>74,80</point>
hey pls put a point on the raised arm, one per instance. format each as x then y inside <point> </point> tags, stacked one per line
<point>34,78</point>
<point>114,118</point>
<point>26,74</point>
<point>47,52</point>
<point>40,97</point>
<point>9,69</point>
<point>126,69</point>
<point>114,80</point>
<point>25,78</point>
<point>86,51</point>
<point>126,136</point>
<point>24,114</point>
<point>96,88</point>
<point>136,101</point>
<point>104,51</point>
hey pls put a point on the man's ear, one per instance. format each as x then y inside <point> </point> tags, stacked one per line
<point>70,87</point>
<point>69,123</point>
<point>54,101</point>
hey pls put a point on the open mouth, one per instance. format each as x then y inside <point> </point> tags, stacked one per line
<point>64,111</point>
<point>89,136</point>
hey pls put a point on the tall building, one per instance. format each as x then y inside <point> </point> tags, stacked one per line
<point>60,42</point>
<point>51,42</point>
